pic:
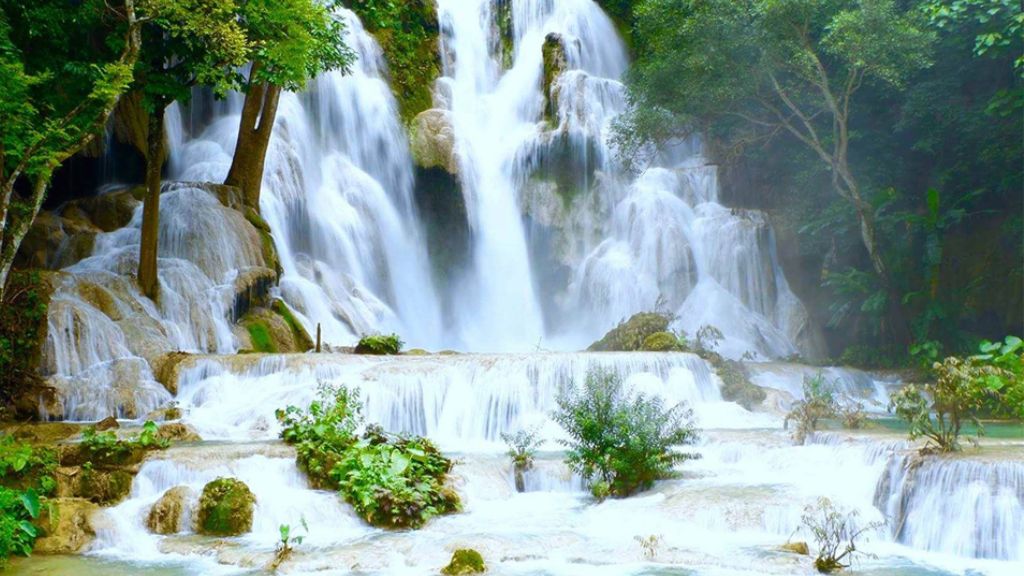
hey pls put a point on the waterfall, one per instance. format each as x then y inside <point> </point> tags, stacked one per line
<point>966,506</point>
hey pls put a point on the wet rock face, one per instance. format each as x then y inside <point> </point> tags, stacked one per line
<point>170,513</point>
<point>433,141</point>
<point>178,432</point>
<point>67,526</point>
<point>225,508</point>
<point>556,62</point>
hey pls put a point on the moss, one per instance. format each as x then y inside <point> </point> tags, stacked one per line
<point>269,250</point>
<point>629,336</point>
<point>379,345</point>
<point>555,63</point>
<point>105,487</point>
<point>260,335</point>
<point>302,340</point>
<point>465,561</point>
<point>226,508</point>
<point>661,342</point>
<point>736,384</point>
<point>408,35</point>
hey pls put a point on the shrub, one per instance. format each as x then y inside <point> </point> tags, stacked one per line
<point>522,446</point>
<point>395,482</point>
<point>17,533</point>
<point>818,403</point>
<point>959,391</point>
<point>835,533</point>
<point>391,481</point>
<point>619,439</point>
<point>23,466</point>
<point>322,431</point>
<point>379,345</point>
<point>707,339</point>
<point>629,335</point>
<point>662,342</point>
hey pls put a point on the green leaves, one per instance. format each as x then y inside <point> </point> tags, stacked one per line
<point>619,438</point>
<point>17,533</point>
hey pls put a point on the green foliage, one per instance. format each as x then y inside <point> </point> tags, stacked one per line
<point>622,440</point>
<point>106,446</point>
<point>391,481</point>
<point>961,390</point>
<point>661,342</point>
<point>522,447</point>
<point>286,545</point>
<point>293,41</point>
<point>395,482</point>
<point>323,430</point>
<point>17,533</point>
<point>1002,24</point>
<point>835,532</point>
<point>25,466</point>
<point>22,330</point>
<point>707,339</point>
<point>465,561</point>
<point>379,345</point>
<point>629,335</point>
<point>408,35</point>
<point>260,336</point>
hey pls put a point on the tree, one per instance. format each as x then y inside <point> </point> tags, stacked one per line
<point>292,41</point>
<point>748,71</point>
<point>187,43</point>
<point>58,91</point>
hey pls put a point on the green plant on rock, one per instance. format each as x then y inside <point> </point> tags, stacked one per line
<point>620,442</point>
<point>835,532</point>
<point>393,481</point>
<point>662,342</point>
<point>819,402</point>
<point>707,339</point>
<point>17,533</point>
<point>286,544</point>
<point>379,345</point>
<point>522,447</point>
<point>324,430</point>
<point>107,446</point>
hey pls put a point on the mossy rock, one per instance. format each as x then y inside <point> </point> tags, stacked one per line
<point>275,330</point>
<point>66,525</point>
<point>661,342</point>
<point>465,561</point>
<point>301,339</point>
<point>379,345</point>
<point>736,384</point>
<point>629,336</point>
<point>104,487</point>
<point>226,508</point>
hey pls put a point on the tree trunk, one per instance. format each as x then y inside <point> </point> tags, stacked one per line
<point>151,209</point>
<point>254,130</point>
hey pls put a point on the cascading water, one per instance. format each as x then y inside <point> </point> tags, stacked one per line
<point>539,179</point>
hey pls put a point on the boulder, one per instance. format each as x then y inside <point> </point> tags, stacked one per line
<point>66,525</point>
<point>108,423</point>
<point>796,548</point>
<point>225,508</point>
<point>169,515</point>
<point>465,561</point>
<point>433,141</point>
<point>629,336</point>
<point>178,432</point>
<point>166,369</point>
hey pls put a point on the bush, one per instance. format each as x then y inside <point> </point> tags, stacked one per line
<point>960,390</point>
<point>391,481</point>
<point>662,342</point>
<point>629,335</point>
<point>835,533</point>
<point>380,345</point>
<point>620,440</point>
<point>522,446</point>
<point>17,533</point>
<point>25,467</point>
<point>395,482</point>
<point>818,403</point>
